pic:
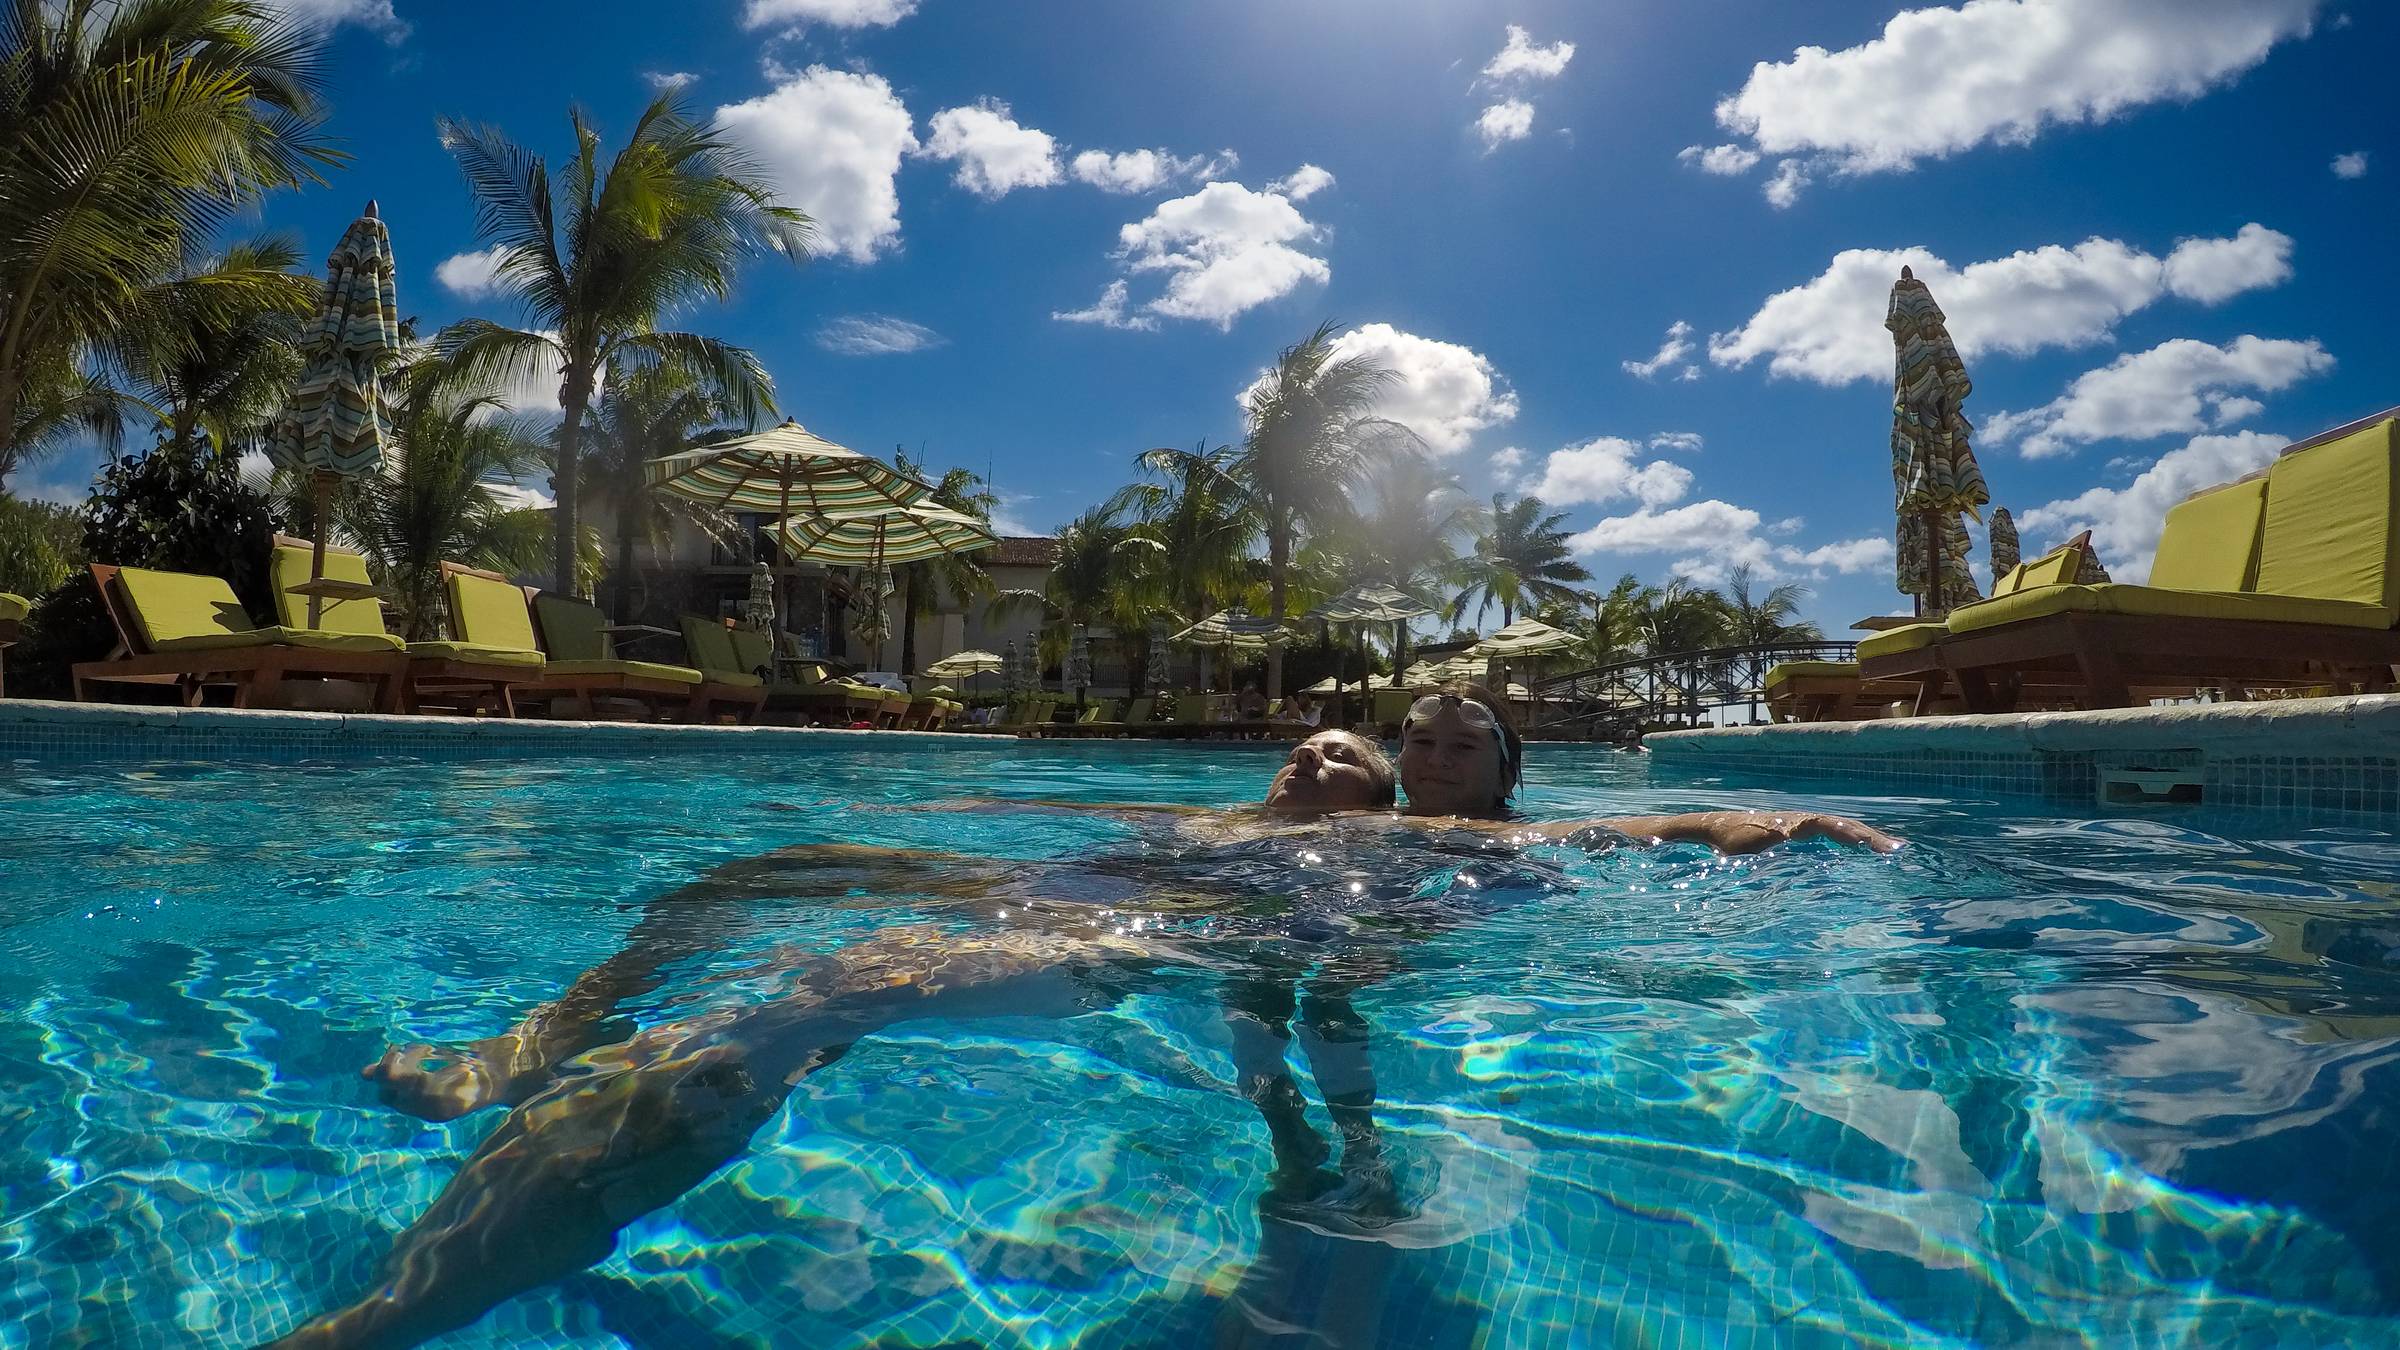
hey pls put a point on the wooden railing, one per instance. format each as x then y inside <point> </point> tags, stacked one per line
<point>1609,700</point>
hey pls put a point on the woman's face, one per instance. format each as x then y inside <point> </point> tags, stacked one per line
<point>1449,768</point>
<point>1326,772</point>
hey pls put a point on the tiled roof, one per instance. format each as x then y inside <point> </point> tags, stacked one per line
<point>1036,550</point>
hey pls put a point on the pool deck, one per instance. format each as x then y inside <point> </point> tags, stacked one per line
<point>2322,756</point>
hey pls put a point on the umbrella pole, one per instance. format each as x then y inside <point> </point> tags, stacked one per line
<point>321,483</point>
<point>782,524</point>
<point>1933,565</point>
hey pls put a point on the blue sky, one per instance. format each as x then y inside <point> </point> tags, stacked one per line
<point>1631,255</point>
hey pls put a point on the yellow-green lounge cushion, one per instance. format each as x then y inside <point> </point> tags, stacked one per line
<point>178,611</point>
<point>2330,533</point>
<point>288,567</point>
<point>2055,568</point>
<point>752,651</point>
<point>476,653</point>
<point>2115,598</point>
<point>2210,542</point>
<point>1788,671</point>
<point>572,629</point>
<point>711,646</point>
<point>490,613</point>
<point>2009,582</point>
<point>1905,639</point>
<point>651,670</point>
<point>734,679</point>
<point>13,607</point>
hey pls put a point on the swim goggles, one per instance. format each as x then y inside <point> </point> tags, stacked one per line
<point>1472,713</point>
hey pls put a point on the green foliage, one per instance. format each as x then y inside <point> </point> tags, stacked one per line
<point>644,413</point>
<point>960,576</point>
<point>39,544</point>
<point>1521,561</point>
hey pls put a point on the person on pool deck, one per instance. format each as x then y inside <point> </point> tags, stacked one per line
<point>640,1122</point>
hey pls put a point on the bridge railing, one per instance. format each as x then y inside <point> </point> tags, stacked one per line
<point>1669,685</point>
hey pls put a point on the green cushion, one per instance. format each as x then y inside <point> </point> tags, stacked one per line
<point>2116,598</point>
<point>1788,671</point>
<point>711,645</point>
<point>735,679</point>
<point>490,613</point>
<point>752,651</point>
<point>2009,582</point>
<point>2329,525</point>
<point>477,653</point>
<point>1910,637</point>
<point>13,607</point>
<point>571,628</point>
<point>2210,543</point>
<point>171,606</point>
<point>643,669</point>
<point>288,567</point>
<point>2055,568</point>
<point>312,639</point>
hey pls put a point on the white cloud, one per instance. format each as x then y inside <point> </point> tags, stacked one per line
<point>831,141</point>
<point>668,79</point>
<point>1303,183</point>
<point>2214,270</point>
<point>1509,460</point>
<point>1603,470</point>
<point>1830,328</point>
<point>2125,521</point>
<point>1677,346</point>
<point>1521,58</point>
<point>2176,387</point>
<point>374,14</point>
<point>797,14</point>
<point>1710,538</point>
<point>2352,165</point>
<point>1108,311</point>
<point>1508,120</point>
<point>1724,160</point>
<point>520,497</point>
<point>1442,391</point>
<point>995,155</point>
<point>876,335</point>
<point>1939,81</point>
<point>472,275</point>
<point>1676,440</point>
<point>1783,188</point>
<point>1225,251</point>
<point>538,396</point>
<point>1134,171</point>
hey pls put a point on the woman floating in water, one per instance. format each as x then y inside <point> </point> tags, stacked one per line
<point>626,1128</point>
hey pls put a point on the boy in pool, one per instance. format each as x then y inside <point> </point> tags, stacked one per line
<point>641,1122</point>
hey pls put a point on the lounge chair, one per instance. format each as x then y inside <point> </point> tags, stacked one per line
<point>489,610</point>
<point>189,632</point>
<point>727,684</point>
<point>458,675</point>
<point>1829,691</point>
<point>1132,721</point>
<point>803,690</point>
<point>13,610</point>
<point>1391,708</point>
<point>2290,580</point>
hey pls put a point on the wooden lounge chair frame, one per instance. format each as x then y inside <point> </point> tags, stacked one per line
<point>256,673</point>
<point>581,690</point>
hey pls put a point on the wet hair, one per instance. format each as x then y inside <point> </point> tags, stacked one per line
<point>1379,767</point>
<point>1512,745</point>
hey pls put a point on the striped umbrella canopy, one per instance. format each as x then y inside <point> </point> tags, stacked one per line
<point>1328,686</point>
<point>1234,628</point>
<point>1371,604</point>
<point>2005,547</point>
<point>1525,637</point>
<point>961,665</point>
<point>892,535</point>
<point>333,425</point>
<point>874,622</point>
<point>1934,474</point>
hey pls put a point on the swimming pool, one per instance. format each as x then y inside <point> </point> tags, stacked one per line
<point>2037,1081</point>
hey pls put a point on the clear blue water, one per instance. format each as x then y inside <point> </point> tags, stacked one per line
<point>2037,1080</point>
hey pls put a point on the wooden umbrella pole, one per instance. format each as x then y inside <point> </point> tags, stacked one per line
<point>1933,565</point>
<point>321,483</point>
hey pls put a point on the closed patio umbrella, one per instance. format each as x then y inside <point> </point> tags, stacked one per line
<point>333,425</point>
<point>1934,474</point>
<point>1078,672</point>
<point>2005,547</point>
<point>1155,673</point>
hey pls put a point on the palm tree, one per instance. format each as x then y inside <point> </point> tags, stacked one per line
<point>961,576</point>
<point>1521,561</point>
<point>59,404</point>
<point>1407,534</point>
<point>1765,619</point>
<point>129,131</point>
<point>440,493</point>
<point>1196,510</point>
<point>221,366</point>
<point>1310,434</point>
<point>1094,580</point>
<point>596,266</point>
<point>643,414</point>
<point>1681,616</point>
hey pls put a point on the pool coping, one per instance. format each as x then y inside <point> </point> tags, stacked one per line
<point>2321,756</point>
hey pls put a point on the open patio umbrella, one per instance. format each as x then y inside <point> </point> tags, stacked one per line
<point>1234,630</point>
<point>892,535</point>
<point>964,666</point>
<point>2005,548</point>
<point>1934,473</point>
<point>783,471</point>
<point>1369,604</point>
<point>334,425</point>
<point>1525,640</point>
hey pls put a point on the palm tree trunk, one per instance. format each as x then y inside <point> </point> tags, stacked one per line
<point>624,566</point>
<point>908,620</point>
<point>574,396</point>
<point>1279,556</point>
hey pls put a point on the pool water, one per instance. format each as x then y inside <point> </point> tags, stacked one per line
<point>2037,1080</point>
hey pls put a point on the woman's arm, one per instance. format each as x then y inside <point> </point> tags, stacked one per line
<point>1747,831</point>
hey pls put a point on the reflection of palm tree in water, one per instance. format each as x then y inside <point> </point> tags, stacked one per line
<point>629,1127</point>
